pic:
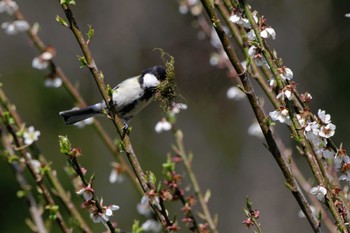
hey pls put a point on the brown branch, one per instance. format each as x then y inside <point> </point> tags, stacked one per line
<point>261,117</point>
<point>126,143</point>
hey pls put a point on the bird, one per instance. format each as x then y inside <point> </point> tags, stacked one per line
<point>129,97</point>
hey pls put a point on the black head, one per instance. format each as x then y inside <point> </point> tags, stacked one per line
<point>157,71</point>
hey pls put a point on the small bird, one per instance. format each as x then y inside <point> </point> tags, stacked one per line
<point>129,97</point>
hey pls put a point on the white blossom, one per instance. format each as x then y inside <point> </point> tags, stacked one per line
<point>96,217</point>
<point>347,15</point>
<point>238,18</point>
<point>39,63</point>
<point>31,135</point>
<point>255,130</point>
<point>190,5</point>
<point>162,125</point>
<point>87,192</point>
<point>312,133</point>
<point>268,32</point>
<point>214,39</point>
<point>327,131</point>
<point>319,191</point>
<point>345,176</point>
<point>214,59</point>
<point>235,93</point>
<point>286,73</point>
<point>8,6</point>
<point>176,107</point>
<point>272,82</point>
<point>116,175</point>
<point>339,160</point>
<point>313,127</point>
<point>301,120</point>
<point>151,225</point>
<point>251,35</point>
<point>325,118</point>
<point>143,206</point>
<point>53,82</point>
<point>328,153</point>
<point>12,28</point>
<point>281,116</point>
<point>302,215</point>
<point>218,58</point>
<point>109,211</point>
<point>285,93</point>
<point>36,165</point>
<point>254,53</point>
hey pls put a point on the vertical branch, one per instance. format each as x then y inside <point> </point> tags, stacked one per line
<point>261,117</point>
<point>73,91</point>
<point>37,177</point>
<point>34,208</point>
<point>162,214</point>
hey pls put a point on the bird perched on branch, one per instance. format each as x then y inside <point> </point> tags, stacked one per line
<point>129,97</point>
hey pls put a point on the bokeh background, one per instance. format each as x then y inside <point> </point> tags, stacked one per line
<point>313,39</point>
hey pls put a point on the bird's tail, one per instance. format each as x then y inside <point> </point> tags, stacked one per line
<point>75,115</point>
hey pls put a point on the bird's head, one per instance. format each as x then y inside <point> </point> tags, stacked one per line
<point>152,77</point>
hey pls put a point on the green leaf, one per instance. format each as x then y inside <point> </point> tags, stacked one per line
<point>13,158</point>
<point>67,2</point>
<point>83,61</point>
<point>53,211</point>
<point>249,204</point>
<point>150,177</point>
<point>207,196</point>
<point>109,90</point>
<point>21,193</point>
<point>319,217</point>
<point>65,145</point>
<point>90,33</point>
<point>169,165</point>
<point>246,212</point>
<point>8,118</point>
<point>62,21</point>
<point>136,228</point>
<point>45,169</point>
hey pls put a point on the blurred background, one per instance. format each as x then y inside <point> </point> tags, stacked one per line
<point>312,39</point>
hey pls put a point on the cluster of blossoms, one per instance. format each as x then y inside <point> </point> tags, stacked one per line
<point>20,25</point>
<point>266,32</point>
<point>190,6</point>
<point>165,124</point>
<point>14,27</point>
<point>319,191</point>
<point>144,208</point>
<point>317,132</point>
<point>41,62</point>
<point>97,214</point>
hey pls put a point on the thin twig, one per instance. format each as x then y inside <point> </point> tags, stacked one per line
<point>180,150</point>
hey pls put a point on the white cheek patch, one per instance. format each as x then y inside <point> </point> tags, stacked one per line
<point>149,80</point>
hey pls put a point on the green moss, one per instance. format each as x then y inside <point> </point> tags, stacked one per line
<point>166,93</point>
